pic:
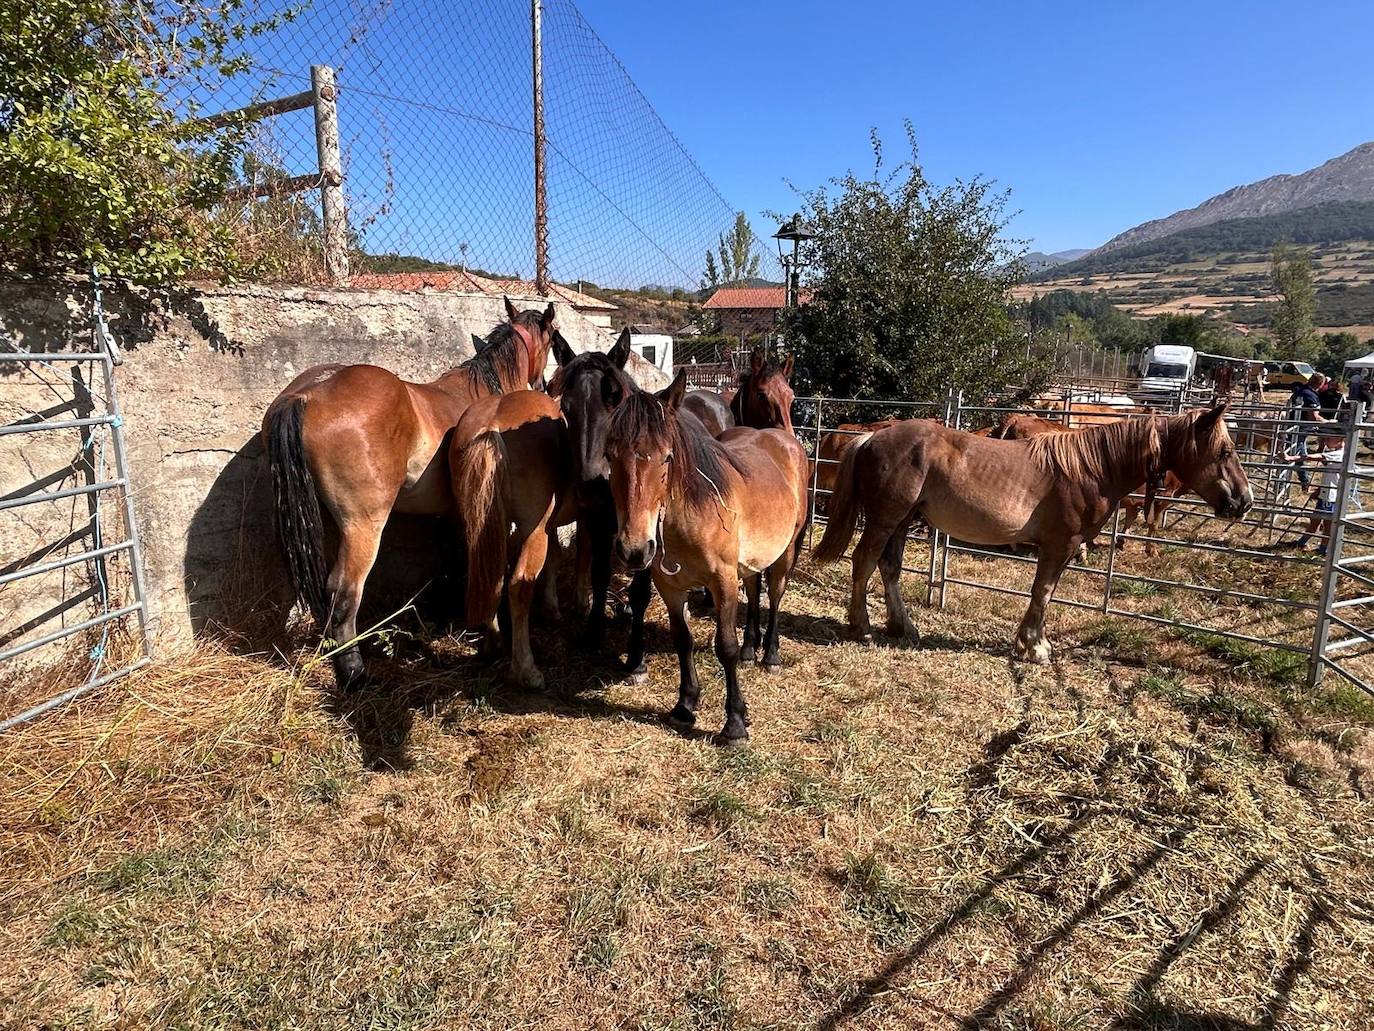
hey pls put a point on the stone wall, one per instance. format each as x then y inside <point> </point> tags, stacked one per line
<point>200,367</point>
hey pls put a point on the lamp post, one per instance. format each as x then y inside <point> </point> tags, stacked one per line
<point>795,230</point>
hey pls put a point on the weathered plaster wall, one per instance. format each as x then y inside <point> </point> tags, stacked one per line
<point>200,368</point>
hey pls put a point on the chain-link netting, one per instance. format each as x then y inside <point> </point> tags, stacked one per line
<point>436,129</point>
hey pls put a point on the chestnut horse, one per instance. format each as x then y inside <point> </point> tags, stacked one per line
<point>363,443</point>
<point>1054,490</point>
<point>1018,426</point>
<point>513,487</point>
<point>832,449</point>
<point>697,511</point>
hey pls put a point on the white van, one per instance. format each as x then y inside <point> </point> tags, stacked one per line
<point>1167,367</point>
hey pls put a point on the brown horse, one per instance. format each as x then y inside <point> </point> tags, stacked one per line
<point>513,486</point>
<point>1019,426</point>
<point>711,408</point>
<point>698,511</point>
<point>764,397</point>
<point>832,449</point>
<point>1054,490</point>
<point>363,443</point>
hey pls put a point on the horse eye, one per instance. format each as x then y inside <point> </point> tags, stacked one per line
<point>667,458</point>
<point>641,456</point>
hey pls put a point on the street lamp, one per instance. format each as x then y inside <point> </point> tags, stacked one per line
<point>796,230</point>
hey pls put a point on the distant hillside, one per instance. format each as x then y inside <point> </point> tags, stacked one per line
<point>1039,261</point>
<point>1322,224</point>
<point>1349,177</point>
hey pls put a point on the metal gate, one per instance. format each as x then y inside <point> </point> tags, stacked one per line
<point>82,384</point>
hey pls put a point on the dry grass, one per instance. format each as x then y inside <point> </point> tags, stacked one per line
<point>917,838</point>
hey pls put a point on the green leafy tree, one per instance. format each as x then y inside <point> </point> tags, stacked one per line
<point>738,258</point>
<point>97,166</point>
<point>1292,324</point>
<point>1339,348</point>
<point>909,288</point>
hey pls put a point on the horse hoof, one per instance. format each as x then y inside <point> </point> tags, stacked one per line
<point>531,680</point>
<point>637,677</point>
<point>681,718</point>
<point>748,655</point>
<point>725,740</point>
<point>772,667</point>
<point>861,636</point>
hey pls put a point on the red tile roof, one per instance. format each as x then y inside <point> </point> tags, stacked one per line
<point>736,297</point>
<point>468,283</point>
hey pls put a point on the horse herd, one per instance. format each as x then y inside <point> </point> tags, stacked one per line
<point>686,490</point>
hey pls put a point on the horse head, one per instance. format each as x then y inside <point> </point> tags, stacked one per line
<point>764,397</point>
<point>534,330</point>
<point>589,387</point>
<point>645,468</point>
<point>1205,460</point>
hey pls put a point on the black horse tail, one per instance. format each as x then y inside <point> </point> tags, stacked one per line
<point>300,528</point>
<point>842,513</point>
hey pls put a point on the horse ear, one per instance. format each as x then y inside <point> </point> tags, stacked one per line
<point>673,393</point>
<point>620,353</point>
<point>548,322</point>
<point>787,369</point>
<point>1208,419</point>
<point>562,351</point>
<point>756,361</point>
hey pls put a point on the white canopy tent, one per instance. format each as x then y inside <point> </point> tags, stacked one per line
<point>1367,362</point>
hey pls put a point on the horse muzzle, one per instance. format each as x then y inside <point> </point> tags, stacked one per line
<point>1232,505</point>
<point>635,557</point>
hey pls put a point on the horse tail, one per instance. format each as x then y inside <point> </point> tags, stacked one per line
<point>842,513</point>
<point>480,492</point>
<point>300,527</point>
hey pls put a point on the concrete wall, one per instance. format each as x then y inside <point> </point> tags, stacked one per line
<point>200,368</point>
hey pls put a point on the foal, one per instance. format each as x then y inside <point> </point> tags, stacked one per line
<point>1054,490</point>
<point>699,511</point>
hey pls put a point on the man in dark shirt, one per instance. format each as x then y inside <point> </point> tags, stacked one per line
<point>1305,407</point>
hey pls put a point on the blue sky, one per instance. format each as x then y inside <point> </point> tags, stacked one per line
<point>1097,116</point>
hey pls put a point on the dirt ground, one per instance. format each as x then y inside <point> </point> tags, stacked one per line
<point>1150,832</point>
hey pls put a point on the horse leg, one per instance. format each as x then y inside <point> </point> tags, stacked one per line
<point>548,578</point>
<point>358,543</point>
<point>866,552</point>
<point>641,590</point>
<point>1030,637</point>
<point>582,585</point>
<point>524,577</point>
<point>1130,510</point>
<point>684,714</point>
<point>753,586</point>
<point>890,567</point>
<point>726,593</point>
<point>777,586</point>
<point>600,537</point>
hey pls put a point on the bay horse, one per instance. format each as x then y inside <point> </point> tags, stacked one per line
<point>697,511</point>
<point>763,399</point>
<point>1054,490</point>
<point>361,442</point>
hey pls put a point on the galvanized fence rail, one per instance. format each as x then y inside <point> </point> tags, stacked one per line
<point>110,536</point>
<point>1259,584</point>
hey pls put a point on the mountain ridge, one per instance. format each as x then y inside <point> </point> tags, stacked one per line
<point>1348,177</point>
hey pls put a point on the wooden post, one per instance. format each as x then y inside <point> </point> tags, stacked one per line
<point>541,199</point>
<point>334,216</point>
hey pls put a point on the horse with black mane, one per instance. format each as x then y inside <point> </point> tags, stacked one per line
<point>698,511</point>
<point>359,442</point>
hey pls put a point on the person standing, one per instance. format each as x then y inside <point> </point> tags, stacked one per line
<point>1304,409</point>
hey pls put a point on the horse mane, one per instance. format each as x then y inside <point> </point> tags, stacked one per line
<point>697,472</point>
<point>1100,453</point>
<point>498,362</point>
